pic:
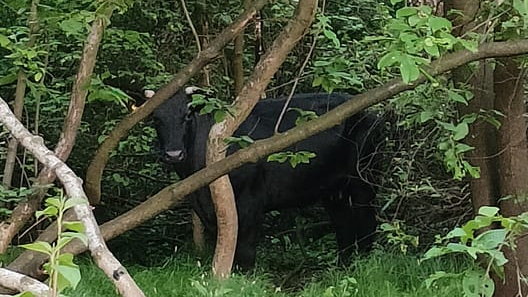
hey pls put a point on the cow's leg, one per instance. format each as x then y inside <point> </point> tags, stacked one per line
<point>354,218</point>
<point>246,249</point>
<point>250,217</point>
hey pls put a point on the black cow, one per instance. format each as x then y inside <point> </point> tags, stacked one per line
<point>332,176</point>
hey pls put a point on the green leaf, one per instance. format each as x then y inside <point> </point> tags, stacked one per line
<point>408,69</point>
<point>438,23</point>
<point>79,236</point>
<point>69,276</point>
<point>406,11</point>
<point>477,284</point>
<point>456,97</point>
<point>457,232</point>
<point>39,246</point>
<point>432,50</point>
<point>488,211</point>
<point>50,211</point>
<point>74,226</point>
<point>490,239</point>
<point>4,41</point>
<point>8,79</point>
<point>461,131</point>
<point>393,2</point>
<point>436,252</point>
<point>71,27</point>
<point>426,116</point>
<point>389,59</point>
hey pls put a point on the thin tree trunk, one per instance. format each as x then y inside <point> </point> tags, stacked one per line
<point>482,135</point>
<point>221,189</point>
<point>20,93</point>
<point>173,194</point>
<point>513,169</point>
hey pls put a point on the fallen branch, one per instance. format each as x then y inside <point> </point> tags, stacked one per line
<point>22,283</point>
<point>73,185</point>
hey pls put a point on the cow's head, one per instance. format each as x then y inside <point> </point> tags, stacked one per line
<point>172,120</point>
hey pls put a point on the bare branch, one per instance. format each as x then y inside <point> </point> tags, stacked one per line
<point>22,283</point>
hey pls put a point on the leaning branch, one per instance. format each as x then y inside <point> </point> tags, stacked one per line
<point>174,194</point>
<point>73,185</point>
<point>98,163</point>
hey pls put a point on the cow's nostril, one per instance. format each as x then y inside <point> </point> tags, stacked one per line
<point>175,155</point>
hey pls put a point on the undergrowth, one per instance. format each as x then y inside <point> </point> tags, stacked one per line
<point>379,274</point>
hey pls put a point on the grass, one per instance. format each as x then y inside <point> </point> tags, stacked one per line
<point>376,275</point>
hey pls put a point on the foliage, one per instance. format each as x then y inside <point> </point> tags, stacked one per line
<point>63,273</point>
<point>415,36</point>
<point>294,158</point>
<point>396,236</point>
<point>479,240</point>
<point>436,103</point>
<point>11,196</point>
<point>206,104</point>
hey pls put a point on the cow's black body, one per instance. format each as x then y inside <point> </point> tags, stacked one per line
<point>331,177</point>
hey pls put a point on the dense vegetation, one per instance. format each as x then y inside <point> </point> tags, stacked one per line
<point>424,183</point>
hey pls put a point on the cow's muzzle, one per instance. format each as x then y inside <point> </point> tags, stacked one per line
<point>174,156</point>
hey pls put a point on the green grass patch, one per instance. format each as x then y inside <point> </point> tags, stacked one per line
<point>376,275</point>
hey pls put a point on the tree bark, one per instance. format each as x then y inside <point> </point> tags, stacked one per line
<point>22,283</point>
<point>173,194</point>
<point>482,135</point>
<point>513,168</point>
<point>73,185</point>
<point>23,212</point>
<point>95,169</point>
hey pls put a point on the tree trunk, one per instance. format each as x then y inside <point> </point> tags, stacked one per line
<point>20,93</point>
<point>482,135</point>
<point>221,189</point>
<point>513,168</point>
